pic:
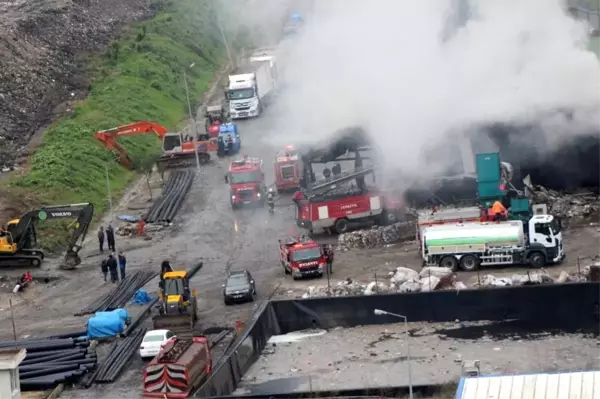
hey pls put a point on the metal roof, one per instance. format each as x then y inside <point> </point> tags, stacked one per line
<point>575,385</point>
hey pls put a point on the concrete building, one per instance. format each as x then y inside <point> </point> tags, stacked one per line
<point>10,388</point>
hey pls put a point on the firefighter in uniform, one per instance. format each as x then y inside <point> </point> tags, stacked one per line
<point>271,200</point>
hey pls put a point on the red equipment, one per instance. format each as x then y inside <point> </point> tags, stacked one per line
<point>180,367</point>
<point>178,151</point>
<point>288,169</point>
<point>302,257</point>
<point>246,181</point>
<point>213,130</point>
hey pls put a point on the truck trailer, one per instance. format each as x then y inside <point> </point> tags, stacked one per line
<point>179,368</point>
<point>468,246</point>
<point>250,88</point>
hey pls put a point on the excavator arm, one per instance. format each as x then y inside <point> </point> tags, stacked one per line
<point>24,233</point>
<point>109,138</point>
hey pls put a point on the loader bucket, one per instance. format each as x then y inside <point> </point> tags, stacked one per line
<point>173,322</point>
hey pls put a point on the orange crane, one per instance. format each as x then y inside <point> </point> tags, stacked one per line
<point>178,151</point>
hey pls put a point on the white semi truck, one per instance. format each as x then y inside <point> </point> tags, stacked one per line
<point>471,245</point>
<point>250,88</point>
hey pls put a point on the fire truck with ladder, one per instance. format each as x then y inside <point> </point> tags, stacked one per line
<point>246,180</point>
<point>302,257</point>
<point>179,150</point>
<point>288,169</point>
<point>343,200</point>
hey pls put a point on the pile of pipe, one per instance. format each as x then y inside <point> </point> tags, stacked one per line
<point>377,236</point>
<point>54,360</point>
<point>174,192</point>
<point>117,358</point>
<point>121,294</point>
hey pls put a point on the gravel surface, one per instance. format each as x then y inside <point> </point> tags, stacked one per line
<point>375,356</point>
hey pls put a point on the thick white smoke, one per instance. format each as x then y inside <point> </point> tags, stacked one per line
<point>403,70</point>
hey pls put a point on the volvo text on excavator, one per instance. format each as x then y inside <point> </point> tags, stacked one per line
<point>18,243</point>
<point>178,150</point>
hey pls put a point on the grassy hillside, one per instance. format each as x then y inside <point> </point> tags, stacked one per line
<point>139,78</point>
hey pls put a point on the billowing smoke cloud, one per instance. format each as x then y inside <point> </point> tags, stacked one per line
<point>414,71</point>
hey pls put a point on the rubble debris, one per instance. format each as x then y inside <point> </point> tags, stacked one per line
<point>377,236</point>
<point>566,205</point>
<point>403,280</point>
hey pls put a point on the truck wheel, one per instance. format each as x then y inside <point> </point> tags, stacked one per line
<point>387,218</point>
<point>450,262</point>
<point>469,263</point>
<point>537,260</point>
<point>341,226</point>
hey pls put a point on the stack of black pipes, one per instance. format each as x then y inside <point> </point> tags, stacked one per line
<point>117,358</point>
<point>174,192</point>
<point>51,361</point>
<point>121,294</point>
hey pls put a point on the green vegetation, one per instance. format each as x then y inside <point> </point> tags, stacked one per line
<point>140,77</point>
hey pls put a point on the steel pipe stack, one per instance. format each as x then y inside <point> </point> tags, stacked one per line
<point>51,361</point>
<point>121,294</point>
<point>117,358</point>
<point>173,195</point>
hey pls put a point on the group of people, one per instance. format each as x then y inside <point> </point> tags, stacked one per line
<point>110,238</point>
<point>114,264</point>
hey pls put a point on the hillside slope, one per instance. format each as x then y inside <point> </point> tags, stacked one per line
<point>40,43</point>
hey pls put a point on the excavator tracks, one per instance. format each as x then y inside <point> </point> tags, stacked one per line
<point>20,260</point>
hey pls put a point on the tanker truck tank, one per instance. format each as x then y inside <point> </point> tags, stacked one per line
<point>471,245</point>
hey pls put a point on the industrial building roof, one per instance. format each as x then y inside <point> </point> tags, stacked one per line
<point>574,385</point>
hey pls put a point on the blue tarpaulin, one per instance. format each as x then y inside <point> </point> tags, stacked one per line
<point>130,219</point>
<point>107,324</point>
<point>141,297</point>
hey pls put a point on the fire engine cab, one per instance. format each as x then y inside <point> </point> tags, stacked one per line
<point>246,181</point>
<point>288,169</point>
<point>301,257</point>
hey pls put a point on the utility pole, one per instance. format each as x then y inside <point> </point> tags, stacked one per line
<point>192,119</point>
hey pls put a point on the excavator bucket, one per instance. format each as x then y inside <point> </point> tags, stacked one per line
<point>71,261</point>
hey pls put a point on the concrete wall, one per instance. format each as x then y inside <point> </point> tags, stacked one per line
<point>5,386</point>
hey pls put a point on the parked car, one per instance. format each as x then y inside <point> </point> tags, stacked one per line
<point>239,287</point>
<point>153,342</point>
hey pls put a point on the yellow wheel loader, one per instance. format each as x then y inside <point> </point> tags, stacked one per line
<point>178,306</point>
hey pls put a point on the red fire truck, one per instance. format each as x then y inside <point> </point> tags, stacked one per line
<point>288,169</point>
<point>246,181</point>
<point>301,257</point>
<point>336,209</point>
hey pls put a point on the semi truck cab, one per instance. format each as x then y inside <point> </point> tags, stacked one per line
<point>246,181</point>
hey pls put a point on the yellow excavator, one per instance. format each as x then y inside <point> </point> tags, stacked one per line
<point>18,241</point>
<point>178,304</point>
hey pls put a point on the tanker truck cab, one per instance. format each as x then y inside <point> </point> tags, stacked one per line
<point>537,243</point>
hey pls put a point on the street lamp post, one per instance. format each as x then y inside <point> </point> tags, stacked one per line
<point>379,312</point>
<point>192,118</point>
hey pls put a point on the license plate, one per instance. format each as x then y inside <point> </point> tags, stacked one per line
<point>238,296</point>
<point>247,202</point>
<point>243,114</point>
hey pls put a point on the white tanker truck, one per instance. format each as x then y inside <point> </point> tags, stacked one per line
<point>471,245</point>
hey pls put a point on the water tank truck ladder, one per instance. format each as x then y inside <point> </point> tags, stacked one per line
<point>174,353</point>
<point>325,185</point>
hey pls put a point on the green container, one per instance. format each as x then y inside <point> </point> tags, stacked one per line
<point>489,191</point>
<point>519,205</point>
<point>488,168</point>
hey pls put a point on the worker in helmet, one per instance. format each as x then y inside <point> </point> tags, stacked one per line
<point>499,211</point>
<point>271,200</point>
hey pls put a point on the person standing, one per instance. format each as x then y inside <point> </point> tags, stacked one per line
<point>104,267</point>
<point>328,252</point>
<point>110,237</point>
<point>112,267</point>
<point>122,264</point>
<point>101,238</point>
